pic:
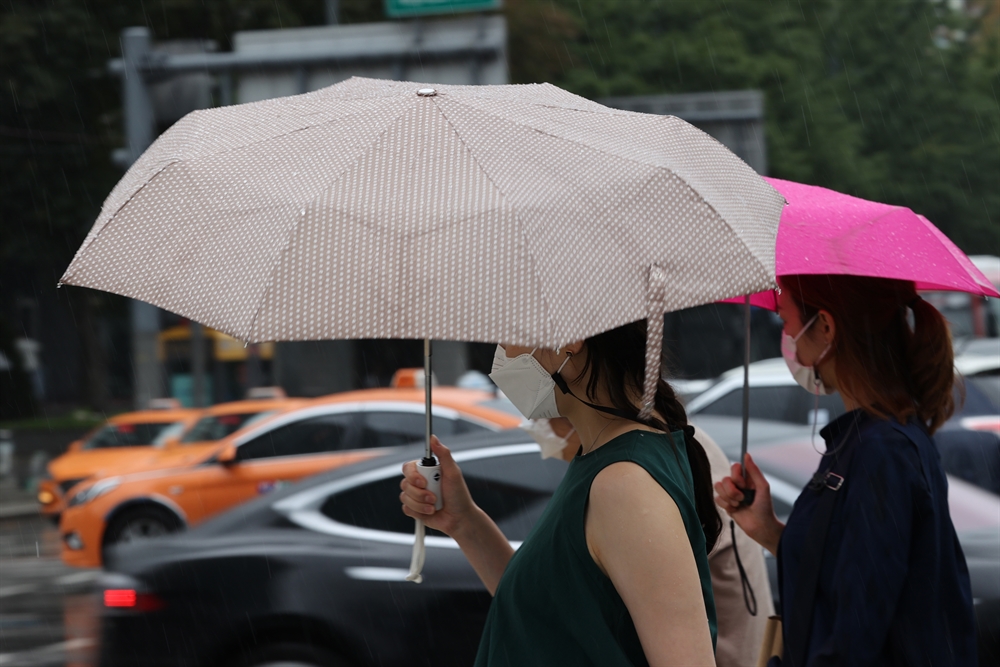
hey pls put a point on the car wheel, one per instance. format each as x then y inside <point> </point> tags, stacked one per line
<point>293,654</point>
<point>140,523</point>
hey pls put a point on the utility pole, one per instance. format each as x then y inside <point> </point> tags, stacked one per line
<point>139,131</point>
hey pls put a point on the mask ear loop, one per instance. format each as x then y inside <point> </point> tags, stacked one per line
<point>569,355</point>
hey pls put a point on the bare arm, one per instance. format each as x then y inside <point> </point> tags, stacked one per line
<point>637,537</point>
<point>478,536</point>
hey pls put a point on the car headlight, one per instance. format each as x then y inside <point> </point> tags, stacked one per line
<point>95,490</point>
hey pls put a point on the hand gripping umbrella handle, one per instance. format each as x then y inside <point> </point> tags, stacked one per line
<point>431,472</point>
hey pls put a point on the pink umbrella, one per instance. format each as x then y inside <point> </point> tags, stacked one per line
<point>822,231</point>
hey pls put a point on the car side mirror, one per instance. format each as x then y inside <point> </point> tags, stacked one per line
<point>227,456</point>
<point>170,443</point>
<point>75,446</point>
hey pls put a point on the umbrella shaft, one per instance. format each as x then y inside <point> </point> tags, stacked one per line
<point>746,381</point>
<point>427,398</point>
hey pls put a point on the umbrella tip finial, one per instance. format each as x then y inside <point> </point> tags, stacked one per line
<point>427,92</point>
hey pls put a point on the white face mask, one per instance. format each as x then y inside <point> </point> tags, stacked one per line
<point>541,430</point>
<point>805,375</point>
<point>528,386</point>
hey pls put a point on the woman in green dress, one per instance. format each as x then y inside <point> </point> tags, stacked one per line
<point>615,572</point>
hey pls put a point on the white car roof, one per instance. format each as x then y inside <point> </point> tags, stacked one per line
<point>973,364</point>
<point>774,373</point>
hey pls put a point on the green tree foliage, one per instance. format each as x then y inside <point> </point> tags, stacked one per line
<point>893,100</point>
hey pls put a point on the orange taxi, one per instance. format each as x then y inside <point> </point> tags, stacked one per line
<point>121,440</point>
<point>320,435</point>
<point>181,438</point>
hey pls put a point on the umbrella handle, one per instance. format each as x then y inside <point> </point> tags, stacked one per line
<point>432,475</point>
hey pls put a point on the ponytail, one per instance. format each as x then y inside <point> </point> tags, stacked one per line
<point>619,357</point>
<point>670,407</point>
<point>930,358</point>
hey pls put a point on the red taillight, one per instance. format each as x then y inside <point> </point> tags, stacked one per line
<point>120,597</point>
<point>128,598</point>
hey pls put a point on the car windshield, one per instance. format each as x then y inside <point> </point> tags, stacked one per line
<point>216,427</point>
<point>126,435</point>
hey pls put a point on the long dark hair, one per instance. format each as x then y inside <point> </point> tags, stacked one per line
<point>616,360</point>
<point>891,369</point>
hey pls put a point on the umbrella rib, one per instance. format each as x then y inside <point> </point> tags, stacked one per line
<point>662,169</point>
<point>615,155</point>
<point>521,225</point>
<point>222,151</point>
<point>567,139</point>
<point>92,236</point>
<point>305,206</point>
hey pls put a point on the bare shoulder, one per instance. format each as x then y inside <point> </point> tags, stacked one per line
<point>627,486</point>
<point>630,520</point>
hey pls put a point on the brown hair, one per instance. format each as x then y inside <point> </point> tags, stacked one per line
<point>889,368</point>
<point>616,359</point>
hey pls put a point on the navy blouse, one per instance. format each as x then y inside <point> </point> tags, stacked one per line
<point>893,586</point>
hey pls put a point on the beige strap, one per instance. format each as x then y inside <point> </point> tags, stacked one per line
<point>656,294</point>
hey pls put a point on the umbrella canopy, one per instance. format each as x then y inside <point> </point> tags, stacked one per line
<point>823,231</point>
<point>370,209</point>
<point>383,209</point>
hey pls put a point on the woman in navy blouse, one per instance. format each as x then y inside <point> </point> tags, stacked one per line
<point>885,583</point>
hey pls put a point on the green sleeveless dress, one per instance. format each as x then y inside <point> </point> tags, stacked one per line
<point>553,605</point>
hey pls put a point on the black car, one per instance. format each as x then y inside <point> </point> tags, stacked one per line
<point>314,573</point>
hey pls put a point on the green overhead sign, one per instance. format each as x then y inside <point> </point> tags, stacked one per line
<point>405,8</point>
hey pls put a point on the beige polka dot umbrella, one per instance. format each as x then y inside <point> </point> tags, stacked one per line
<point>384,209</point>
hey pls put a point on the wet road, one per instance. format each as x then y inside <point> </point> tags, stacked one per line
<point>48,612</point>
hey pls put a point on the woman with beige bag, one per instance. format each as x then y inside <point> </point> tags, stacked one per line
<point>870,569</point>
